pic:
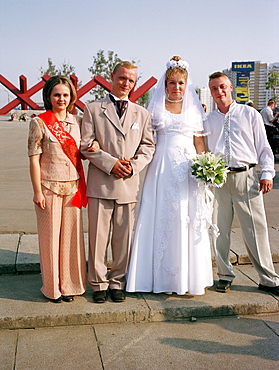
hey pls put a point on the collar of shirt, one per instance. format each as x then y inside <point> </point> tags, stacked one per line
<point>116,98</point>
<point>231,107</point>
<point>69,119</point>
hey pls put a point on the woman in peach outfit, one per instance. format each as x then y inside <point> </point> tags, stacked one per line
<point>59,192</point>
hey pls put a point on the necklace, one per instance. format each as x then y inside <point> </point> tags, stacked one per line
<point>175,101</point>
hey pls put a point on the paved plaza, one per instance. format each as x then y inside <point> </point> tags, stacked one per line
<point>239,329</point>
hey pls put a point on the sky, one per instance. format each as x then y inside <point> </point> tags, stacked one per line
<point>209,34</point>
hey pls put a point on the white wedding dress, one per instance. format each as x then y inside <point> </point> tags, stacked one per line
<point>171,249</point>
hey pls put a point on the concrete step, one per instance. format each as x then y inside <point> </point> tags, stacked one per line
<point>23,306</point>
<point>20,253</point>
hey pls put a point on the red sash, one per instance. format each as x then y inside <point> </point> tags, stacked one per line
<point>70,148</point>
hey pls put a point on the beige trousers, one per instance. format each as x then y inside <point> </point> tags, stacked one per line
<point>241,195</point>
<point>61,245</point>
<point>104,216</point>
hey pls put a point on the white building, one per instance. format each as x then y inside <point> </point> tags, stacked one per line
<point>206,98</point>
<point>258,79</point>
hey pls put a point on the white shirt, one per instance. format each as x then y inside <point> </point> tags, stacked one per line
<point>268,116</point>
<point>116,98</point>
<point>248,141</point>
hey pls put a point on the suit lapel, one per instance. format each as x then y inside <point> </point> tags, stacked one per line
<point>129,118</point>
<point>110,113</point>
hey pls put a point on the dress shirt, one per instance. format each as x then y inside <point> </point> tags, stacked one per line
<point>116,99</point>
<point>248,141</point>
<point>268,116</point>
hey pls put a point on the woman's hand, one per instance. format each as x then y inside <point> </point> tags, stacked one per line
<point>39,200</point>
<point>93,146</point>
<point>35,173</point>
<point>199,144</point>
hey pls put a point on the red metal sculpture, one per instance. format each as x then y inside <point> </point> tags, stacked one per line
<point>23,94</point>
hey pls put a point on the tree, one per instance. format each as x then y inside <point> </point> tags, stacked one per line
<point>102,66</point>
<point>65,69</point>
<point>51,69</point>
<point>144,99</point>
<point>273,82</point>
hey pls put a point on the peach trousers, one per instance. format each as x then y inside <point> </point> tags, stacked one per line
<point>61,246</point>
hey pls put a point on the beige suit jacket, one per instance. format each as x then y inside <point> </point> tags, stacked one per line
<point>132,138</point>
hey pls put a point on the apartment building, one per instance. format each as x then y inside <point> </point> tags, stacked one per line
<point>249,80</point>
<point>206,98</point>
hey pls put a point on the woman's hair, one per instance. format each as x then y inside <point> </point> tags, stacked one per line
<point>56,80</point>
<point>176,69</point>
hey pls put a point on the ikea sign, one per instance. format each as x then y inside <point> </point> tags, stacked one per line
<point>243,66</point>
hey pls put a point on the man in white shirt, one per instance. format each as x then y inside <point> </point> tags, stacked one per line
<point>238,134</point>
<point>269,119</point>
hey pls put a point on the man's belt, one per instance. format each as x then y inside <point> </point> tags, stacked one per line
<point>242,169</point>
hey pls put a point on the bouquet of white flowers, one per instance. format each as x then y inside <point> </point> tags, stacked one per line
<point>209,169</point>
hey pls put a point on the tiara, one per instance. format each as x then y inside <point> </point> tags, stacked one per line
<point>177,63</point>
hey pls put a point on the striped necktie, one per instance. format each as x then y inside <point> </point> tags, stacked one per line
<point>121,105</point>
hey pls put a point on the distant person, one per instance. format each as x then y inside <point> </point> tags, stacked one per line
<point>269,120</point>
<point>23,117</point>
<point>276,122</point>
<point>250,103</point>
<point>204,107</point>
<point>13,117</point>
<point>59,192</point>
<point>123,131</point>
<point>237,133</point>
<point>171,248</point>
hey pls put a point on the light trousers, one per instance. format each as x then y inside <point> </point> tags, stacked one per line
<point>108,217</point>
<point>61,246</point>
<point>241,195</point>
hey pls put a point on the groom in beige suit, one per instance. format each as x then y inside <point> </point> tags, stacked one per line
<point>126,147</point>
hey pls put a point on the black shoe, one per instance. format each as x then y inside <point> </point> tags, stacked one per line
<point>58,300</point>
<point>100,296</point>
<point>271,289</point>
<point>68,298</point>
<point>223,285</point>
<point>117,295</point>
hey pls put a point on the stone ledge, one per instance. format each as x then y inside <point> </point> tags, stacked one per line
<point>23,306</point>
<point>20,254</point>
<point>8,251</point>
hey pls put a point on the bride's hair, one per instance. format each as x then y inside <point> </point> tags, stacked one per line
<point>174,67</point>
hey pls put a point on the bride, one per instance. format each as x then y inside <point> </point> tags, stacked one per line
<point>171,248</point>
